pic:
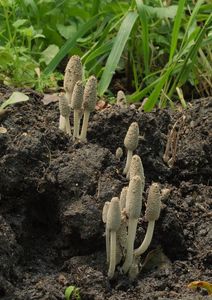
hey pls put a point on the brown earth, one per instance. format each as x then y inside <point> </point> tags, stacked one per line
<point>52,192</point>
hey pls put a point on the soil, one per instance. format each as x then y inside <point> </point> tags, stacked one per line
<point>52,192</point>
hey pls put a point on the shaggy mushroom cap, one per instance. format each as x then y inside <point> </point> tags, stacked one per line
<point>153,203</point>
<point>114,215</point>
<point>73,73</point>
<point>121,99</point>
<point>123,196</point>
<point>119,153</point>
<point>105,211</point>
<point>90,94</point>
<point>77,96</point>
<point>63,107</point>
<point>136,168</point>
<point>131,138</point>
<point>134,198</point>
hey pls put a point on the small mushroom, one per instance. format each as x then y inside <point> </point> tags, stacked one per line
<point>133,210</point>
<point>121,99</point>
<point>113,224</point>
<point>76,105</point>
<point>151,215</point>
<point>119,153</point>
<point>123,196</point>
<point>73,73</point>
<point>136,168</point>
<point>64,112</point>
<point>131,142</point>
<point>107,234</point>
<point>89,102</point>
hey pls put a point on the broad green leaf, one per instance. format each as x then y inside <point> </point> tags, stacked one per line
<point>70,43</point>
<point>160,12</point>
<point>117,50</point>
<point>16,97</point>
<point>49,53</point>
<point>67,31</point>
<point>69,292</point>
<point>19,23</point>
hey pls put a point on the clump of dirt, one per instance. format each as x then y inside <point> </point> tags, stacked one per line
<point>52,192</point>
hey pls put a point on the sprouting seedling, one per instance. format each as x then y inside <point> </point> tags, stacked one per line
<point>131,142</point>
<point>89,102</point>
<point>133,210</point>
<point>64,112</point>
<point>151,215</point>
<point>113,224</point>
<point>123,196</point>
<point>121,99</point>
<point>76,105</point>
<point>119,153</point>
<point>107,233</point>
<point>136,168</point>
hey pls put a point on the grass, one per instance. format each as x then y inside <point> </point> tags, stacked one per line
<point>155,47</point>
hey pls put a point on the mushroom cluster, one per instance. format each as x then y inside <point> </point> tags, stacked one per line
<point>80,99</point>
<point>121,214</point>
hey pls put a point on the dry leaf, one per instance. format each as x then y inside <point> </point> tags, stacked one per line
<point>49,98</point>
<point>202,284</point>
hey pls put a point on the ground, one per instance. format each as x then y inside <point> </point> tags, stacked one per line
<point>52,192</point>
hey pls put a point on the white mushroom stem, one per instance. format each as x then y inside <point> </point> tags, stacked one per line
<point>67,125</point>
<point>76,124</point>
<point>112,264</point>
<point>147,240</point>
<point>132,226</point>
<point>83,136</point>
<point>107,239</point>
<point>62,123</point>
<point>128,162</point>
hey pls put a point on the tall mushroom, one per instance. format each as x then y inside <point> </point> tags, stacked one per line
<point>133,210</point>
<point>76,105</point>
<point>113,224</point>
<point>136,168</point>
<point>64,112</point>
<point>107,233</point>
<point>89,102</point>
<point>151,215</point>
<point>131,142</point>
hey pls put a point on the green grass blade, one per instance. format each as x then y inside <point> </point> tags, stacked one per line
<point>145,34</point>
<point>70,43</point>
<point>175,32</point>
<point>95,7</point>
<point>116,52</point>
<point>154,96</point>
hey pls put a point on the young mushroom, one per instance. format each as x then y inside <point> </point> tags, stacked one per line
<point>64,112</point>
<point>119,153</point>
<point>131,142</point>
<point>89,103</point>
<point>151,215</point>
<point>76,104</point>
<point>107,234</point>
<point>133,210</point>
<point>123,196</point>
<point>121,99</point>
<point>136,168</point>
<point>113,224</point>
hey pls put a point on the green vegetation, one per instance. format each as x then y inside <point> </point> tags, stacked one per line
<point>72,292</point>
<point>155,47</point>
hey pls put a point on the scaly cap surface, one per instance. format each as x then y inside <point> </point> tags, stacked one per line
<point>63,107</point>
<point>90,94</point>
<point>153,206</point>
<point>73,73</point>
<point>134,198</point>
<point>131,138</point>
<point>114,215</point>
<point>77,96</point>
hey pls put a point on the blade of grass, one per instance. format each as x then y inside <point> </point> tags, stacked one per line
<point>175,32</point>
<point>95,7</point>
<point>70,43</point>
<point>145,34</point>
<point>191,55</point>
<point>116,52</point>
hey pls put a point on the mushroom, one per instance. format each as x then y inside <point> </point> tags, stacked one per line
<point>151,215</point>
<point>123,196</point>
<point>76,104</point>
<point>64,112</point>
<point>73,73</point>
<point>89,102</point>
<point>136,168</point>
<point>133,210</point>
<point>121,99</point>
<point>107,234</point>
<point>113,224</point>
<point>119,153</point>
<point>131,142</point>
